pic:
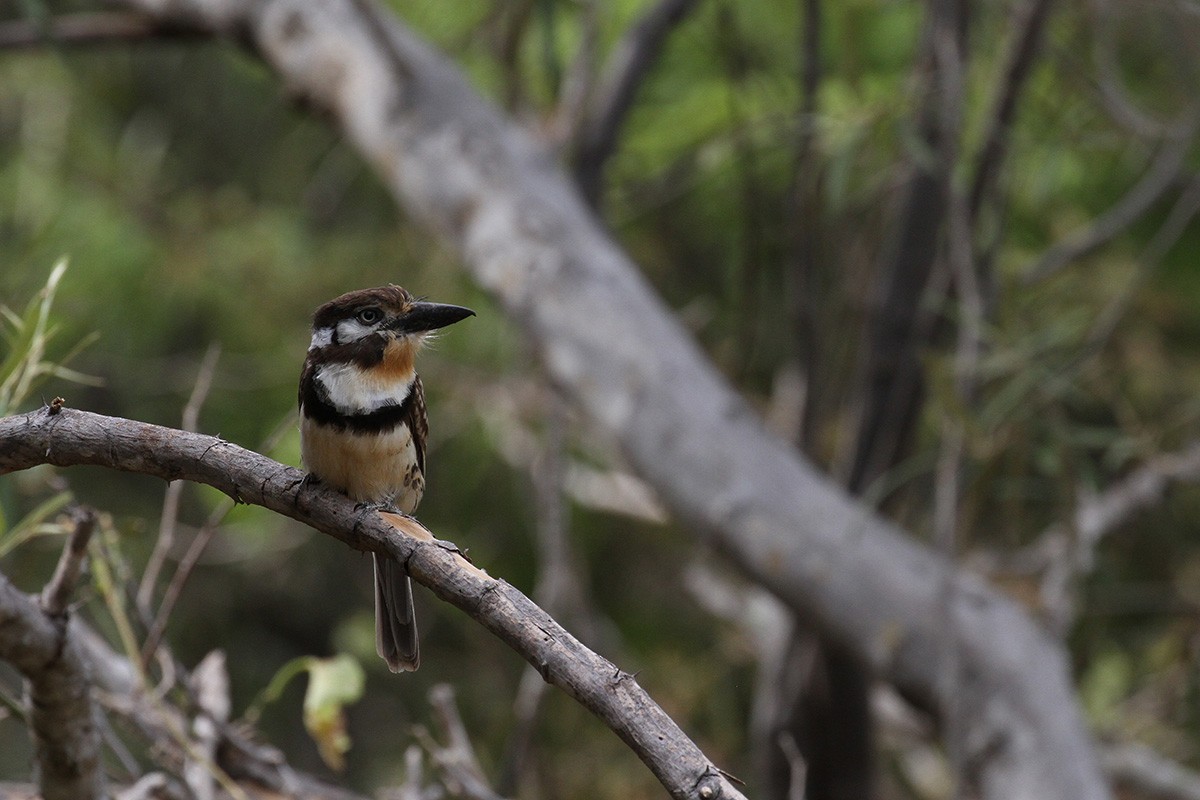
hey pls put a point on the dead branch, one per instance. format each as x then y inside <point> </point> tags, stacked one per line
<point>71,437</point>
<point>57,594</point>
<point>1149,774</point>
<point>1066,552</point>
<point>1018,63</point>
<point>170,509</point>
<point>166,727</point>
<point>455,756</point>
<point>61,715</point>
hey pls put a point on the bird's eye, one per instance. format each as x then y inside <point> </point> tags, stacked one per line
<point>369,316</point>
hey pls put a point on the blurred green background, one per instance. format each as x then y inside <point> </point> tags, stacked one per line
<point>199,205</point>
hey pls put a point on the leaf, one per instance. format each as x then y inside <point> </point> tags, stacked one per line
<point>33,524</point>
<point>333,683</point>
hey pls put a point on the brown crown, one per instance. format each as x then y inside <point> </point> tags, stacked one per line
<point>391,298</point>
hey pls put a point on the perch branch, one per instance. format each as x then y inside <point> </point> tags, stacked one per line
<point>72,437</point>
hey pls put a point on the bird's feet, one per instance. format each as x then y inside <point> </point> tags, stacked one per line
<point>367,507</point>
<point>386,506</point>
<point>298,486</point>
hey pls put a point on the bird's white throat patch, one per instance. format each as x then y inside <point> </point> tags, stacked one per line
<point>353,390</point>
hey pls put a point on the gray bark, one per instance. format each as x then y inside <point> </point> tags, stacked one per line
<point>68,438</point>
<point>66,741</point>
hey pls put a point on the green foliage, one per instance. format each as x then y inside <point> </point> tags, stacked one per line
<point>34,523</point>
<point>25,365</point>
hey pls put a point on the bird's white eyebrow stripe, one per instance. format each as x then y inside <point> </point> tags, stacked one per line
<point>322,337</point>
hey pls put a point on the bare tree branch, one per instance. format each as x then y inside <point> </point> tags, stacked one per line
<point>632,59</point>
<point>1018,64</point>
<point>456,758</point>
<point>1114,97</point>
<point>1066,552</point>
<point>57,594</point>
<point>75,437</point>
<point>1149,774</point>
<point>174,589</point>
<point>170,509</point>
<point>210,687</point>
<point>166,728</point>
<point>65,737</point>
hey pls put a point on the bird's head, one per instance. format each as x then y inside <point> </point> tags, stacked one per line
<point>370,317</point>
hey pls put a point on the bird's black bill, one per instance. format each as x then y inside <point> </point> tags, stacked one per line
<point>423,316</point>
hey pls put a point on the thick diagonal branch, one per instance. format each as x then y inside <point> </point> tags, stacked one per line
<point>71,438</point>
<point>607,340</point>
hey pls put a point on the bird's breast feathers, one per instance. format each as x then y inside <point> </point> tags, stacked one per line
<point>374,467</point>
<point>357,427</point>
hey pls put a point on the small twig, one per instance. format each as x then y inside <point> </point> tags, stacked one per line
<point>174,589</point>
<point>153,786</point>
<point>631,61</point>
<point>414,776</point>
<point>556,577</point>
<point>460,767</point>
<point>949,59</point>
<point>117,747</point>
<point>1113,95</point>
<point>56,596</point>
<point>170,510</point>
<point>1018,65</point>
<point>9,704</point>
<point>1065,552</point>
<point>578,80</point>
<point>1180,216</point>
<point>560,588</point>
<point>210,687</point>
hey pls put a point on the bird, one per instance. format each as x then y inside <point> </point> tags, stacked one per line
<point>363,426</point>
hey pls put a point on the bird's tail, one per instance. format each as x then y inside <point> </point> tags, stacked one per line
<point>395,622</point>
